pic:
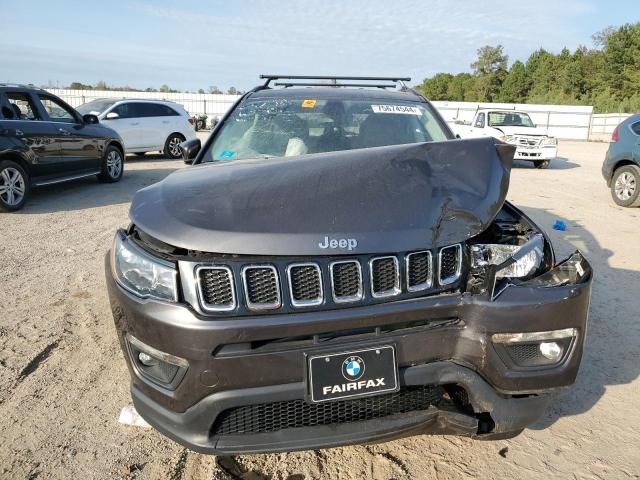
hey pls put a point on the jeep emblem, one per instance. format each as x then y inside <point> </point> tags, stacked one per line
<point>348,243</point>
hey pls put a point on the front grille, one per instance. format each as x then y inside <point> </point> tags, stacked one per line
<point>261,287</point>
<point>272,417</point>
<point>216,288</point>
<point>289,284</point>
<point>450,262</point>
<point>305,284</point>
<point>346,279</point>
<point>385,276</point>
<point>419,271</point>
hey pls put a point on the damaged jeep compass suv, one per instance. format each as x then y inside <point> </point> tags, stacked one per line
<point>336,268</point>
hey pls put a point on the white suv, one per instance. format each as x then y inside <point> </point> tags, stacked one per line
<point>144,125</point>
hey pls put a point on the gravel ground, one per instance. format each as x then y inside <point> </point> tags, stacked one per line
<point>63,380</point>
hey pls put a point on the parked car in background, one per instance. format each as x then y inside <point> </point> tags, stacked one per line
<point>513,127</point>
<point>144,125</point>
<point>621,167</point>
<point>198,121</point>
<point>44,141</point>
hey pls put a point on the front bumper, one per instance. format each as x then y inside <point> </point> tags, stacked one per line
<point>440,340</point>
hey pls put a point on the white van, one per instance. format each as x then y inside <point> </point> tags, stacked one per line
<point>144,125</point>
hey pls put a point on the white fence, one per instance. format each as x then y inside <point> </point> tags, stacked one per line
<point>603,124</point>
<point>563,121</point>
<point>195,103</point>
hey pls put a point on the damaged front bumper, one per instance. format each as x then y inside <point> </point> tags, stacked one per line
<point>453,341</point>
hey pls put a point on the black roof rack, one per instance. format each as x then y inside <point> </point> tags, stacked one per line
<point>333,81</point>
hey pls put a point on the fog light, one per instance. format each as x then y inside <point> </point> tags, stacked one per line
<point>147,360</point>
<point>551,350</point>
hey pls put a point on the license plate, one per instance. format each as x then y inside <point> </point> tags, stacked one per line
<point>357,373</point>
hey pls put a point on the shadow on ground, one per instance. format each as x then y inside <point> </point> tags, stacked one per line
<point>558,163</point>
<point>611,355</point>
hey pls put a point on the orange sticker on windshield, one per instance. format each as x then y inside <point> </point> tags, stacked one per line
<point>309,103</point>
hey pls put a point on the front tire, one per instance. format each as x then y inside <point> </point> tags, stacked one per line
<point>172,146</point>
<point>14,186</point>
<point>625,186</point>
<point>112,165</point>
<point>542,163</point>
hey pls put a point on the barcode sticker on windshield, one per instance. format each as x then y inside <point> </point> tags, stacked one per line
<point>404,109</point>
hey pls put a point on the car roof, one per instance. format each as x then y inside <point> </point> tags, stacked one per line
<point>17,87</point>
<point>346,93</point>
<point>505,110</point>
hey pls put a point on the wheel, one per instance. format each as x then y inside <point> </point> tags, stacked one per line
<point>112,165</point>
<point>172,146</point>
<point>14,186</point>
<point>140,154</point>
<point>542,163</point>
<point>625,186</point>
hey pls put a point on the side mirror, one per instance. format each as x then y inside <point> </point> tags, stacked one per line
<point>190,149</point>
<point>112,116</point>
<point>90,119</point>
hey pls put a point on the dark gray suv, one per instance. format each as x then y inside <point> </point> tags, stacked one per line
<point>621,167</point>
<point>337,268</point>
<point>45,141</point>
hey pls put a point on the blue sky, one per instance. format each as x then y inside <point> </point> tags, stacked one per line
<point>195,44</point>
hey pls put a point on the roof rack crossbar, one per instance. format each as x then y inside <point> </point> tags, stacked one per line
<point>269,78</point>
<point>316,84</point>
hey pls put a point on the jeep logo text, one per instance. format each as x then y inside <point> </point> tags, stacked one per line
<point>348,243</point>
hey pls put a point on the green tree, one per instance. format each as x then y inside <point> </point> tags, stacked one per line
<point>515,86</point>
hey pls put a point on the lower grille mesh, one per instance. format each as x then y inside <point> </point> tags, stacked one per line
<point>271,417</point>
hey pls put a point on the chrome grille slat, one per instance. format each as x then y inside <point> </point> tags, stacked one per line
<point>215,288</point>
<point>346,281</point>
<point>419,272</point>
<point>305,284</point>
<point>261,287</point>
<point>384,273</point>
<point>449,264</point>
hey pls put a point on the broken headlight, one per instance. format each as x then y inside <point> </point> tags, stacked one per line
<point>142,274</point>
<point>514,261</point>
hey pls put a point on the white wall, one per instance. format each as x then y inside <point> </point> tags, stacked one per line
<point>194,103</point>
<point>561,121</point>
<point>603,124</point>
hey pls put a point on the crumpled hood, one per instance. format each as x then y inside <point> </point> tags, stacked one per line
<point>376,200</point>
<point>522,130</point>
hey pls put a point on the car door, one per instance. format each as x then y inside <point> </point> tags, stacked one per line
<point>24,127</point>
<point>154,124</point>
<point>79,151</point>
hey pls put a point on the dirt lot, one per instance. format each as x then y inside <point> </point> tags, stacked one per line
<point>63,380</point>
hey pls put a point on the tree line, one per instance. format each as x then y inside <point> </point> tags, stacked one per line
<point>606,76</point>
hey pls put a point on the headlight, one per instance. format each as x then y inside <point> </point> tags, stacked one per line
<point>497,254</point>
<point>550,141</point>
<point>510,139</point>
<point>141,274</point>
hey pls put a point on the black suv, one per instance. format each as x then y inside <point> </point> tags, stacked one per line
<point>44,141</point>
<point>337,268</point>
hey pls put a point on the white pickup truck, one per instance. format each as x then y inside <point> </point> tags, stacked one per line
<point>533,143</point>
